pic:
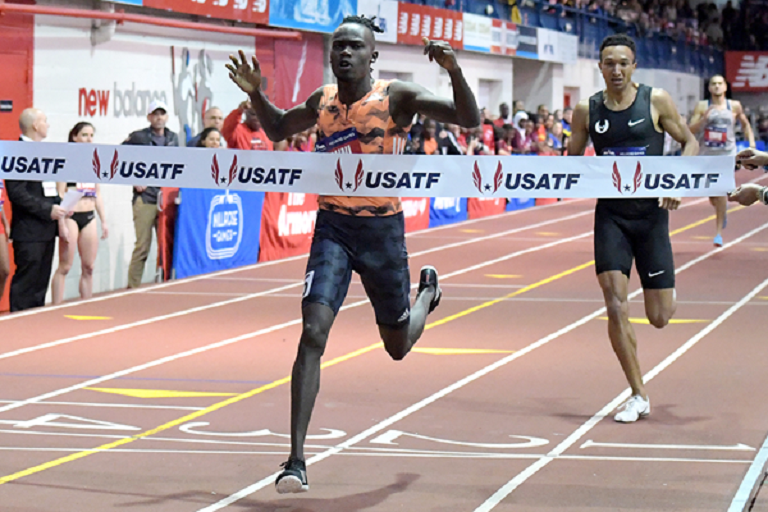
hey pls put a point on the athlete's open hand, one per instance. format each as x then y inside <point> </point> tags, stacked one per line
<point>246,77</point>
<point>746,194</point>
<point>441,52</point>
<point>751,159</point>
<point>670,203</point>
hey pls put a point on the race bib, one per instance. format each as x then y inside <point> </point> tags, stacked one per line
<point>88,189</point>
<point>340,142</point>
<point>715,136</point>
<point>49,189</point>
<point>637,151</point>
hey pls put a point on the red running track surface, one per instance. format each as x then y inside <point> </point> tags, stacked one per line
<point>176,397</point>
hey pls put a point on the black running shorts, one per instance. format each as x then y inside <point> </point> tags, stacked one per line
<point>374,247</point>
<point>619,238</point>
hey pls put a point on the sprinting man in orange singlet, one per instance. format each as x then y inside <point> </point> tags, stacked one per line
<point>361,234</point>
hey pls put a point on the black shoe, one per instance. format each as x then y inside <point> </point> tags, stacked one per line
<point>293,479</point>
<point>429,278</point>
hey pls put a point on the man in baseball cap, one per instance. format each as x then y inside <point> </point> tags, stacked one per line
<point>145,198</point>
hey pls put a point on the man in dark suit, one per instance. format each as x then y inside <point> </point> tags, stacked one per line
<point>145,198</point>
<point>35,211</point>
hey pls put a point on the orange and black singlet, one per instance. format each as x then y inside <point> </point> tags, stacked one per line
<point>365,127</point>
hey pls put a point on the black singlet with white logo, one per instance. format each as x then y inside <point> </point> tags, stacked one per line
<point>628,132</point>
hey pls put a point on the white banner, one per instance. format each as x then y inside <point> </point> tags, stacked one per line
<point>371,175</point>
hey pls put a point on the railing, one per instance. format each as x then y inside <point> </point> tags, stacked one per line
<point>657,51</point>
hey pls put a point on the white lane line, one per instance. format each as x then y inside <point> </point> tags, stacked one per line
<point>146,321</point>
<point>123,406</point>
<point>518,480</point>
<point>295,284</point>
<point>254,334</point>
<point>268,480</point>
<point>755,471</point>
<point>413,453</point>
<point>114,295</point>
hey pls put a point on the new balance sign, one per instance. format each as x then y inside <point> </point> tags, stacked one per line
<point>747,71</point>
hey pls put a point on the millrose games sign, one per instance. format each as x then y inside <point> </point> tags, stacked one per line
<point>352,174</point>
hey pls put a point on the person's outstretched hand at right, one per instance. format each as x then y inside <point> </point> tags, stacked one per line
<point>245,77</point>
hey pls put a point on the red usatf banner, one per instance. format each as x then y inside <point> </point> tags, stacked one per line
<point>368,174</point>
<point>287,224</point>
<point>417,21</point>
<point>747,71</point>
<point>249,11</point>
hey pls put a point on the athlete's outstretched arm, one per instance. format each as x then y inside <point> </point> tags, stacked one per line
<point>410,98</point>
<point>278,124</point>
<point>744,120</point>
<point>579,129</point>
<point>672,123</point>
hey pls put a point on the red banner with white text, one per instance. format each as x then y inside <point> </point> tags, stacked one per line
<point>249,11</point>
<point>417,21</point>
<point>287,224</point>
<point>416,213</point>
<point>483,207</point>
<point>747,71</point>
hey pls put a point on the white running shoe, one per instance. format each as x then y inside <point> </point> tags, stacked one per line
<point>635,408</point>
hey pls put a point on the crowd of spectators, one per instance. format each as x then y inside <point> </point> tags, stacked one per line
<point>511,132</point>
<point>743,26</point>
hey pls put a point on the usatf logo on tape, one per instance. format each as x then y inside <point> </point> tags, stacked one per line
<point>33,165</point>
<point>135,168</point>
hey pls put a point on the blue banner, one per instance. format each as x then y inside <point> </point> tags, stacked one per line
<point>216,230</point>
<point>312,15</point>
<point>447,210</point>
<point>518,203</point>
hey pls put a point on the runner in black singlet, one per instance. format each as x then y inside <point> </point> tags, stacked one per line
<point>629,119</point>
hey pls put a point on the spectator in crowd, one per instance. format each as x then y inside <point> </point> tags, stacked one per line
<point>567,117</point>
<point>511,141</point>
<point>504,117</point>
<point>475,142</point>
<point>519,122</point>
<point>555,141</point>
<point>209,138</point>
<point>518,106</point>
<point>213,118</point>
<point>5,229</point>
<point>79,232</point>
<point>242,130</point>
<point>145,199</point>
<point>35,211</point>
<point>448,140</point>
<point>430,137</point>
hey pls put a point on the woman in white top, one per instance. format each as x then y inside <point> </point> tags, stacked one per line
<point>79,232</point>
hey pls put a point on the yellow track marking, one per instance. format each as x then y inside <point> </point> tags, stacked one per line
<point>472,230</point>
<point>672,321</point>
<point>760,249</point>
<point>157,393</point>
<point>458,351</point>
<point>285,380</point>
<point>547,233</point>
<point>503,276</point>
<point>83,317</point>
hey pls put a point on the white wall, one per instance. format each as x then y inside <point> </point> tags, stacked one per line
<point>137,57</point>
<point>410,60</point>
<point>539,83</point>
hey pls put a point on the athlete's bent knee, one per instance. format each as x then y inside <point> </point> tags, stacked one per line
<point>314,337</point>
<point>616,309</point>
<point>659,319</point>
